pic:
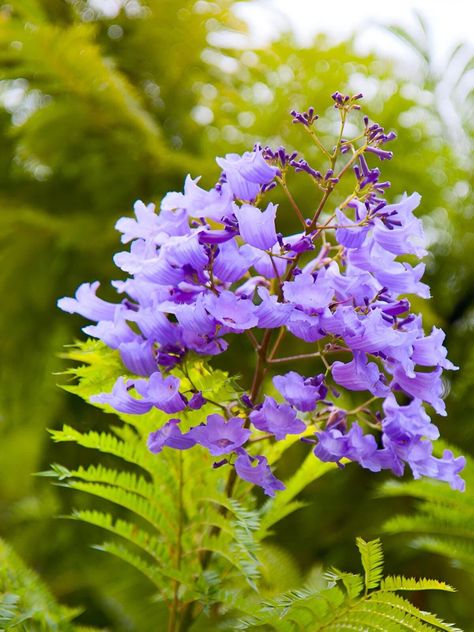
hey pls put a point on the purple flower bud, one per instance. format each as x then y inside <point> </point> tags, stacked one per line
<point>381,153</point>
<point>197,401</point>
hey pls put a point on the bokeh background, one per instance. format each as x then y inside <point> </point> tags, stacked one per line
<point>106,101</point>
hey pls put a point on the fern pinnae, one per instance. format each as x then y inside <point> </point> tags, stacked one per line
<point>138,505</point>
<point>372,561</point>
<point>137,561</point>
<point>393,583</point>
<point>126,480</point>
<point>134,453</point>
<point>142,539</point>
<point>403,605</point>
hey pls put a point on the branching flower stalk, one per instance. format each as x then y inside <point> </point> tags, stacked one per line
<point>211,267</point>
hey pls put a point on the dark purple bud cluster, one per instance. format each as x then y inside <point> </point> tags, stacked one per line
<point>305,118</point>
<point>345,101</point>
<point>212,266</point>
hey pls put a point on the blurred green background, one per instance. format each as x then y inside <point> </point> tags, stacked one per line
<point>96,112</point>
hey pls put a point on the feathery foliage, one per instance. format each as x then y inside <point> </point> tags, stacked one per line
<point>169,513</point>
<point>171,506</point>
<point>26,604</point>
<point>350,601</point>
<point>442,522</point>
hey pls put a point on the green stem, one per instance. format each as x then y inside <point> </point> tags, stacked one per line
<point>173,622</point>
<point>295,206</point>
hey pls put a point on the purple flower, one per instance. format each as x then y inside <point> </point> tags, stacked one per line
<point>237,314</point>
<point>278,419</point>
<point>425,386</point>
<point>138,357</point>
<point>245,174</point>
<point>87,304</point>
<point>308,292</point>
<point>113,333</point>
<point>350,234</point>
<point>256,227</point>
<point>356,286</point>
<point>411,419</point>
<point>372,332</point>
<point>162,392</point>
<point>171,436</point>
<point>152,227</point>
<point>220,436</point>
<point>121,400</point>
<point>214,204</point>
<point>359,375</point>
<point>334,445</point>
<point>192,317</point>
<point>429,351</point>
<point>257,471</point>
<point>154,325</point>
<point>448,468</point>
<point>397,277</point>
<point>230,264</point>
<point>271,313</point>
<point>197,401</point>
<point>398,231</point>
<point>304,326</point>
<point>302,393</point>
<point>266,265</point>
<point>211,263</point>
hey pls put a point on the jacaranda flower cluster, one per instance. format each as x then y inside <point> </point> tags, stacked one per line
<point>212,265</point>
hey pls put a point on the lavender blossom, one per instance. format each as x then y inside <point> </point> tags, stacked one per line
<point>300,392</point>
<point>277,419</point>
<point>245,174</point>
<point>210,269</point>
<point>170,436</point>
<point>256,470</point>
<point>220,436</point>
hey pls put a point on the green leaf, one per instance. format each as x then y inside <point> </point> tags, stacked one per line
<point>25,602</point>
<point>442,521</point>
<point>372,561</point>
<point>330,608</point>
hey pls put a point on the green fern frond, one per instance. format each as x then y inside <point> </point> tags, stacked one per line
<point>135,453</point>
<point>443,520</point>
<point>352,582</point>
<point>459,550</point>
<point>142,539</point>
<point>397,582</point>
<point>342,605</point>
<point>372,561</point>
<point>162,519</point>
<point>148,569</point>
<point>25,602</point>
<point>177,514</point>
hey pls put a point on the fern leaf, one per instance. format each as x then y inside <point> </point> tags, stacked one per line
<point>396,582</point>
<point>372,561</point>
<point>164,523</point>
<point>137,561</point>
<point>332,609</point>
<point>404,606</point>
<point>443,520</point>
<point>135,453</point>
<point>25,602</point>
